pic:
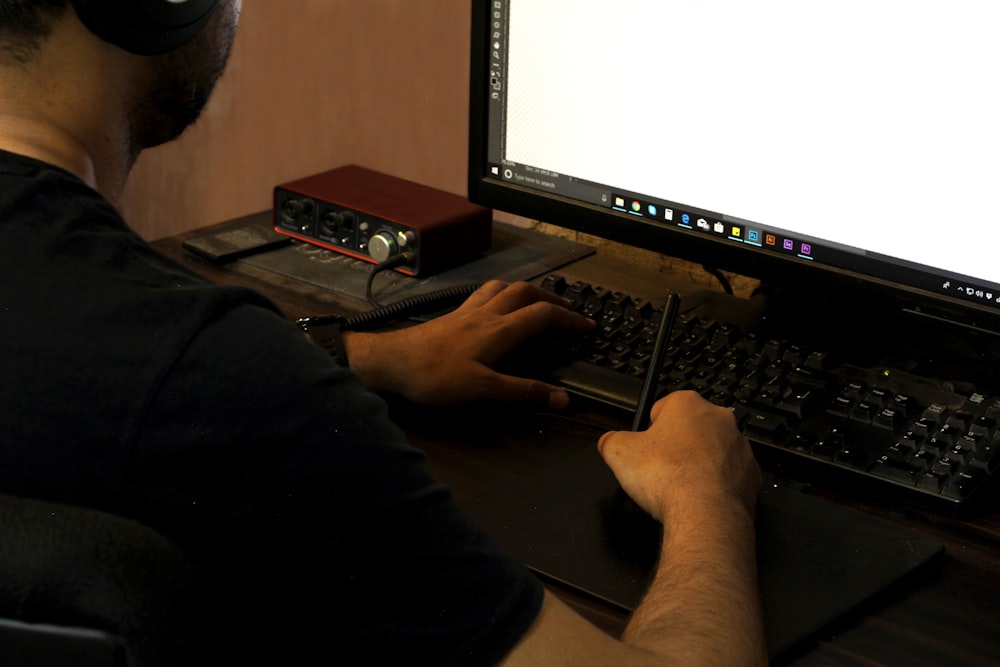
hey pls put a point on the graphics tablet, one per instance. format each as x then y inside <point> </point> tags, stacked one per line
<point>572,524</point>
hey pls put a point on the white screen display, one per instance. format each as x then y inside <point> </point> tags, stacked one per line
<point>870,124</point>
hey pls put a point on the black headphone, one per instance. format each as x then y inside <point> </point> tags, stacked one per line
<point>145,27</point>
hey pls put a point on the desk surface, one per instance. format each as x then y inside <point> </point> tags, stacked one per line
<point>949,616</point>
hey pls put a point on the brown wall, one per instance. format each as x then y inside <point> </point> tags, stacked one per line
<point>315,84</point>
<point>312,85</point>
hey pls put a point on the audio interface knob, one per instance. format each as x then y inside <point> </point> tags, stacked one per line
<point>407,239</point>
<point>382,246</point>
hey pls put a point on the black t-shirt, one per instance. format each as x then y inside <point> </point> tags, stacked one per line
<point>131,385</point>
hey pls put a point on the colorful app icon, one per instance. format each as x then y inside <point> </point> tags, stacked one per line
<point>788,244</point>
<point>770,239</point>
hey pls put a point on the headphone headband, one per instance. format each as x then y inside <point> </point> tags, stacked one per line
<point>145,27</point>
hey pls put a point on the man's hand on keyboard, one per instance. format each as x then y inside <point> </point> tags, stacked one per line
<point>450,360</point>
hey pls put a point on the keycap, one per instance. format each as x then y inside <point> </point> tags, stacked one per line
<point>965,482</point>
<point>898,471</point>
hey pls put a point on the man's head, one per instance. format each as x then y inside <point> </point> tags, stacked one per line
<point>23,25</point>
<point>180,81</point>
<point>176,48</point>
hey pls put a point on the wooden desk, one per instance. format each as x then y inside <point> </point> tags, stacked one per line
<point>951,616</point>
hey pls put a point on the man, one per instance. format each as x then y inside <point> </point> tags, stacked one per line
<point>134,387</point>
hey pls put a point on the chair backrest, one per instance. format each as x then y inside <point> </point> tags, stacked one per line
<point>42,645</point>
<point>86,588</point>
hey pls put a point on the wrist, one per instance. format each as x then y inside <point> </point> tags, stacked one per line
<point>701,509</point>
<point>328,332</point>
<point>363,351</point>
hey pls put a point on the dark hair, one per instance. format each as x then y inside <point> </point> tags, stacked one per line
<point>23,24</point>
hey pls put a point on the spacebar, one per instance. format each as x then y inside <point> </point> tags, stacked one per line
<point>599,383</point>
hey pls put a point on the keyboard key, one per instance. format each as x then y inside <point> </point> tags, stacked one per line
<point>765,426</point>
<point>898,471</point>
<point>922,428</point>
<point>899,451</point>
<point>799,402</point>
<point>931,481</point>
<point>619,352</point>
<point>808,377</point>
<point>855,457</point>
<point>960,419</point>
<point>863,411</point>
<point>983,426</point>
<point>878,396</point>
<point>945,466</point>
<point>935,413</point>
<point>818,361</point>
<point>726,382</point>
<point>594,304</point>
<point>986,457</point>
<point>992,409</point>
<point>726,335</point>
<point>902,404</point>
<point>841,406</point>
<point>794,355</point>
<point>577,293</point>
<point>946,436</point>
<point>773,349</point>
<point>554,283</point>
<point>829,444</point>
<point>923,459</point>
<point>853,390</point>
<point>963,449</point>
<point>888,419</point>
<point>802,442</point>
<point>638,311</point>
<point>965,482</point>
<point>975,403</point>
<point>751,344</point>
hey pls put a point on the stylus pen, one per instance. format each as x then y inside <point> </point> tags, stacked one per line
<point>652,382</point>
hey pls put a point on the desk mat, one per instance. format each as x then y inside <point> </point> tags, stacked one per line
<point>516,253</point>
<point>572,525</point>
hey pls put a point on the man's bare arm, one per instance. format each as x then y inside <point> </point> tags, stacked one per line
<point>693,471</point>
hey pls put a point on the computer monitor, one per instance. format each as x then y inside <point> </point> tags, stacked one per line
<point>848,148</point>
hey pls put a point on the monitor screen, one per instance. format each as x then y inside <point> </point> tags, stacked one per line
<point>850,146</point>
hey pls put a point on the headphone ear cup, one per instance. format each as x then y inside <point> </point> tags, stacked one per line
<point>145,27</point>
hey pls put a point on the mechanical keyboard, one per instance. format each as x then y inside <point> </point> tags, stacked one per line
<point>929,442</point>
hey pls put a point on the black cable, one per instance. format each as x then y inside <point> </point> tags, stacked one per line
<point>726,286</point>
<point>407,307</point>
<point>385,313</point>
<point>391,263</point>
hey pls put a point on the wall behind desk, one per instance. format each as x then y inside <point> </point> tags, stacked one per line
<point>312,85</point>
<point>316,84</point>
